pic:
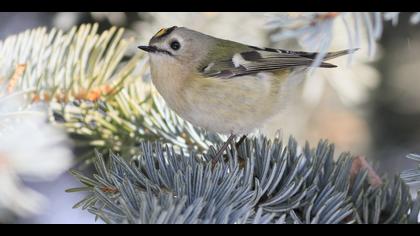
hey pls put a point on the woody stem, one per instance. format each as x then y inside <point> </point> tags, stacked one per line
<point>223,148</point>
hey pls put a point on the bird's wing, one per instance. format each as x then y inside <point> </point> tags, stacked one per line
<point>255,60</point>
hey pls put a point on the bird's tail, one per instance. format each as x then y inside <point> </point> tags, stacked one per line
<point>332,55</point>
<point>327,56</point>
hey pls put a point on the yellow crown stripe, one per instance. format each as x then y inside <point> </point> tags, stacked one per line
<point>161,32</point>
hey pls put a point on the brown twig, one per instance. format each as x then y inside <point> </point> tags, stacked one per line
<point>360,163</point>
<point>20,69</point>
<point>107,189</point>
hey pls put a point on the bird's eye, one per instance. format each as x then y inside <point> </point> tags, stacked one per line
<point>175,45</point>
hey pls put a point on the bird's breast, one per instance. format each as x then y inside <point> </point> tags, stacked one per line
<point>236,105</point>
<point>169,82</point>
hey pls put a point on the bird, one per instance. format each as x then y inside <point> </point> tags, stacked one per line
<point>224,86</point>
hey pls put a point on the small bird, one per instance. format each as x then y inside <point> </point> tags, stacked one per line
<point>220,85</point>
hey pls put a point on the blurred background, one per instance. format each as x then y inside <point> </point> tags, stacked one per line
<point>370,106</point>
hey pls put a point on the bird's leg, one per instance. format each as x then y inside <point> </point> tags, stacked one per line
<point>223,148</point>
<point>241,160</point>
<point>241,140</point>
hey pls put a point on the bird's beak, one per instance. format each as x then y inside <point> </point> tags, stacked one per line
<point>148,48</point>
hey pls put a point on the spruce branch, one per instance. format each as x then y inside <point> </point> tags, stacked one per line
<point>60,67</point>
<point>262,181</point>
<point>412,178</point>
<point>314,30</point>
<point>120,124</point>
<point>101,98</point>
